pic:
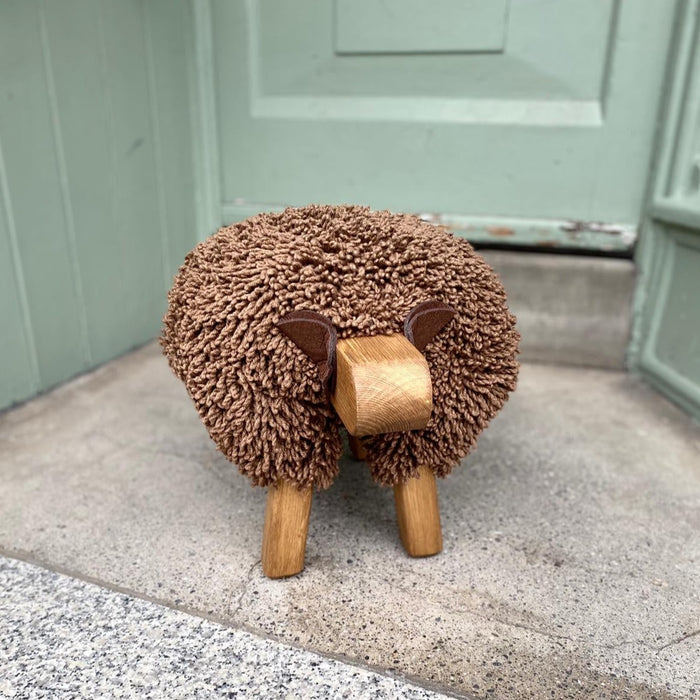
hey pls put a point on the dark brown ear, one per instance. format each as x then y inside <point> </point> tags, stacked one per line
<point>315,335</point>
<point>425,321</point>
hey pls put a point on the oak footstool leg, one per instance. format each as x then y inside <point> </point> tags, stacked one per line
<point>357,449</point>
<point>418,514</point>
<point>286,525</point>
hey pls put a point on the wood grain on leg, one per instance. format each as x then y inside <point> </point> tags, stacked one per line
<point>418,514</point>
<point>286,525</point>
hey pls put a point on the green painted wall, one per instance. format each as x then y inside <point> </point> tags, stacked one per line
<point>96,180</point>
<point>666,342</point>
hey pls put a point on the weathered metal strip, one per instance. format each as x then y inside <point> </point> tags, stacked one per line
<point>502,231</point>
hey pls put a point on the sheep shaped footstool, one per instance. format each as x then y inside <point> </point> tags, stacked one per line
<point>288,326</point>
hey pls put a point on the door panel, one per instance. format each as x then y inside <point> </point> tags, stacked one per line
<point>550,121</point>
<point>413,26</point>
<point>678,332</point>
<point>666,343</point>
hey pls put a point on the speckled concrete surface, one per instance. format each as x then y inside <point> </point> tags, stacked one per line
<point>63,638</point>
<point>572,535</point>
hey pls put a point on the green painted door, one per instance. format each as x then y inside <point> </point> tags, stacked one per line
<point>666,345</point>
<point>511,120</point>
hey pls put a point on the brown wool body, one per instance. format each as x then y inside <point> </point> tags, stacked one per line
<point>261,397</point>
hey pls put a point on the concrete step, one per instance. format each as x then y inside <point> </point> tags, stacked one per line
<point>571,309</point>
<point>571,566</point>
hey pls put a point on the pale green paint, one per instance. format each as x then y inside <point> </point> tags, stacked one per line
<point>668,315</point>
<point>128,128</point>
<point>35,191</point>
<point>206,146</point>
<point>556,126</point>
<point>678,332</point>
<point>20,376</point>
<point>414,26</point>
<point>97,180</point>
<point>666,339</point>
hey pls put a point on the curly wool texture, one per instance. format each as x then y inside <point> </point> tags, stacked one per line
<point>261,398</point>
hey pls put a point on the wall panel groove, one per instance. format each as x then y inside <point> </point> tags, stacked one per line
<point>20,284</point>
<point>207,128</point>
<point>155,121</point>
<point>34,188</point>
<point>64,184</point>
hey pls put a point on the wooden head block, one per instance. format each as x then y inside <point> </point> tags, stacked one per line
<point>382,385</point>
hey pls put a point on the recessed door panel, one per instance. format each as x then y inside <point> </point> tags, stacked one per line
<point>415,26</point>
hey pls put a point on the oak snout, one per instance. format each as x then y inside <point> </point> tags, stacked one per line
<point>378,384</point>
<point>382,385</point>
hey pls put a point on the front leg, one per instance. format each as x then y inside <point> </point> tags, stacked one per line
<point>418,514</point>
<point>286,526</point>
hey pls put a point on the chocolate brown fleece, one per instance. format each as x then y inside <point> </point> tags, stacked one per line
<point>262,399</point>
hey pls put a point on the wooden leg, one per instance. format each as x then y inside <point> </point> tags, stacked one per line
<point>418,514</point>
<point>286,525</point>
<point>357,448</point>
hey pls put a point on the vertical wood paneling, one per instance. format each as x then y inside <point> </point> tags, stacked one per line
<point>20,371</point>
<point>168,28</point>
<point>138,303</point>
<point>34,188</point>
<point>206,130</point>
<point>83,102</point>
<point>95,112</point>
<point>156,139</point>
<point>69,217</point>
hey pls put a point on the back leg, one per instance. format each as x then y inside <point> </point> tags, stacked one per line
<point>357,448</point>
